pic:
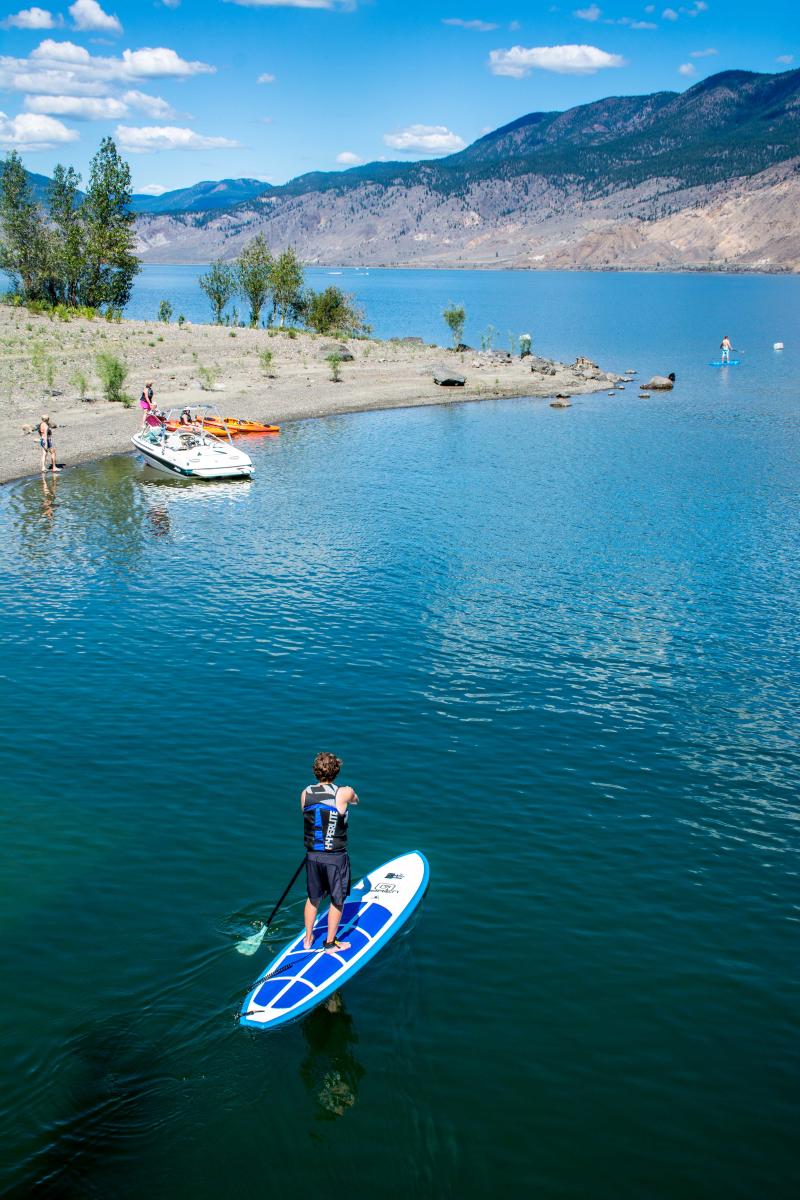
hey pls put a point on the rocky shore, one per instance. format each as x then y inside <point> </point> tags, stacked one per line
<point>42,359</point>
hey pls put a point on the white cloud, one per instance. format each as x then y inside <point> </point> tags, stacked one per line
<point>632,24</point>
<point>785,59</point>
<point>82,108</point>
<point>170,4</point>
<point>669,14</point>
<point>649,8</point>
<point>30,131</point>
<point>592,13</point>
<point>151,189</point>
<point>64,69</point>
<point>424,139</point>
<point>514,26</point>
<point>703,53</point>
<point>687,69</point>
<point>519,61</point>
<point>266,78</point>
<point>88,16</point>
<point>476,26</point>
<point>158,62</point>
<point>348,159</point>
<point>31,18</point>
<point>148,138</point>
<point>154,106</point>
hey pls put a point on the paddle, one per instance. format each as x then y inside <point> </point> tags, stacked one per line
<point>251,944</point>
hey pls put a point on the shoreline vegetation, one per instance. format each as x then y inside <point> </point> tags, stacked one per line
<point>65,349</point>
<point>227,366</point>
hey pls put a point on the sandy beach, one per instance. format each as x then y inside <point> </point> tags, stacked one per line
<point>208,363</point>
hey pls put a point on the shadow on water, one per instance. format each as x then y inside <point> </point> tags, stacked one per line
<point>330,1071</point>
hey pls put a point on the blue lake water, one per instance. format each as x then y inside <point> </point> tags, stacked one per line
<point>558,652</point>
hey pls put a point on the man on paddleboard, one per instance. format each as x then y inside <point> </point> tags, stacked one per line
<point>325,806</point>
<point>726,347</point>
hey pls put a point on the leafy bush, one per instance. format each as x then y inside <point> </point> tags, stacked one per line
<point>81,383</point>
<point>112,374</point>
<point>265,358</point>
<point>43,366</point>
<point>208,378</point>
<point>165,311</point>
<point>455,316</point>
<point>335,361</point>
<point>330,310</point>
<point>181,320</point>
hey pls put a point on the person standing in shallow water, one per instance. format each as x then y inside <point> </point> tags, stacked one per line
<point>46,444</point>
<point>325,815</point>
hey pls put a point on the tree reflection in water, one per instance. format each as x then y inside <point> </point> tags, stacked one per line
<point>330,1071</point>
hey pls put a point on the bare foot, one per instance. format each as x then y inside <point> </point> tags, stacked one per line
<point>308,941</point>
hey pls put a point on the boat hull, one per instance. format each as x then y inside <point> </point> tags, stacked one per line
<point>169,463</point>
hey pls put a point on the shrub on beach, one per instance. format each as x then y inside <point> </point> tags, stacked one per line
<point>455,316</point>
<point>335,361</point>
<point>165,311</point>
<point>332,309</point>
<point>112,374</point>
<point>208,378</point>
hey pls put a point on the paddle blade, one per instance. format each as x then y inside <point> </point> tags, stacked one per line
<point>251,944</point>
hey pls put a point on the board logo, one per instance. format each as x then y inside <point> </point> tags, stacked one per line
<point>384,887</point>
<point>394,875</point>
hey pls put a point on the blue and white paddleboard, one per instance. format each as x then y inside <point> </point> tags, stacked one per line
<point>298,980</point>
<point>734,362</point>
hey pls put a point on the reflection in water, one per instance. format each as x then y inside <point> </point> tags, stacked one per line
<point>49,498</point>
<point>158,517</point>
<point>330,1070</point>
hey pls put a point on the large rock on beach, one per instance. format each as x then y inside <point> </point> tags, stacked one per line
<point>335,348</point>
<point>446,378</point>
<point>542,366</point>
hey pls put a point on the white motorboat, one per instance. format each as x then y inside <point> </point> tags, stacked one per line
<point>180,445</point>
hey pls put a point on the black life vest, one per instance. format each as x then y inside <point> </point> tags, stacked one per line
<point>324,827</point>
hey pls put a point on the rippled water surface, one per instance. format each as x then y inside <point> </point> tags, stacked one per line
<point>558,652</point>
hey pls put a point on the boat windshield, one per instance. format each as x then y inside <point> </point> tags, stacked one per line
<point>204,419</point>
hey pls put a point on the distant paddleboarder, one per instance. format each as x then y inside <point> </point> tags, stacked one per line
<point>325,813</point>
<point>726,347</point>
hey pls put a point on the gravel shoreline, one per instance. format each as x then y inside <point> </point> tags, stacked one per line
<point>296,385</point>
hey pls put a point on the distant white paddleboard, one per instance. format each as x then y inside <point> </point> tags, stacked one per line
<point>298,979</point>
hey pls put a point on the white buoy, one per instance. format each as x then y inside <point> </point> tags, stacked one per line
<point>777,345</point>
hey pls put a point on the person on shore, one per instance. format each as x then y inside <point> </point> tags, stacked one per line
<point>325,813</point>
<point>46,443</point>
<point>726,347</point>
<point>146,401</point>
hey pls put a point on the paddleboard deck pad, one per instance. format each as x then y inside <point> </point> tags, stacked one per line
<point>734,362</point>
<point>299,979</point>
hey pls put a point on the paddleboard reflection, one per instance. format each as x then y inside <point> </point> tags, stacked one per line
<point>330,1071</point>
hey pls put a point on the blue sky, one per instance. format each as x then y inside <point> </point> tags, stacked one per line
<point>207,89</point>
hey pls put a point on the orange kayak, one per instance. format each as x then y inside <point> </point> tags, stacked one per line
<point>233,425</point>
<point>236,425</point>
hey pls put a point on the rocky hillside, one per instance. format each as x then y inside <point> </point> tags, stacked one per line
<point>709,177</point>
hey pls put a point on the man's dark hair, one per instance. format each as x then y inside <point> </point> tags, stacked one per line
<point>327,767</point>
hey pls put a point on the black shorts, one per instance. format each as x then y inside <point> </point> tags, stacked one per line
<point>328,874</point>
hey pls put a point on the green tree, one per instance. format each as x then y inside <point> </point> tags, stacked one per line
<point>331,309</point>
<point>23,244</point>
<point>67,249</point>
<point>111,265</point>
<point>165,311</point>
<point>287,285</point>
<point>254,270</point>
<point>219,283</point>
<point>455,318</point>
